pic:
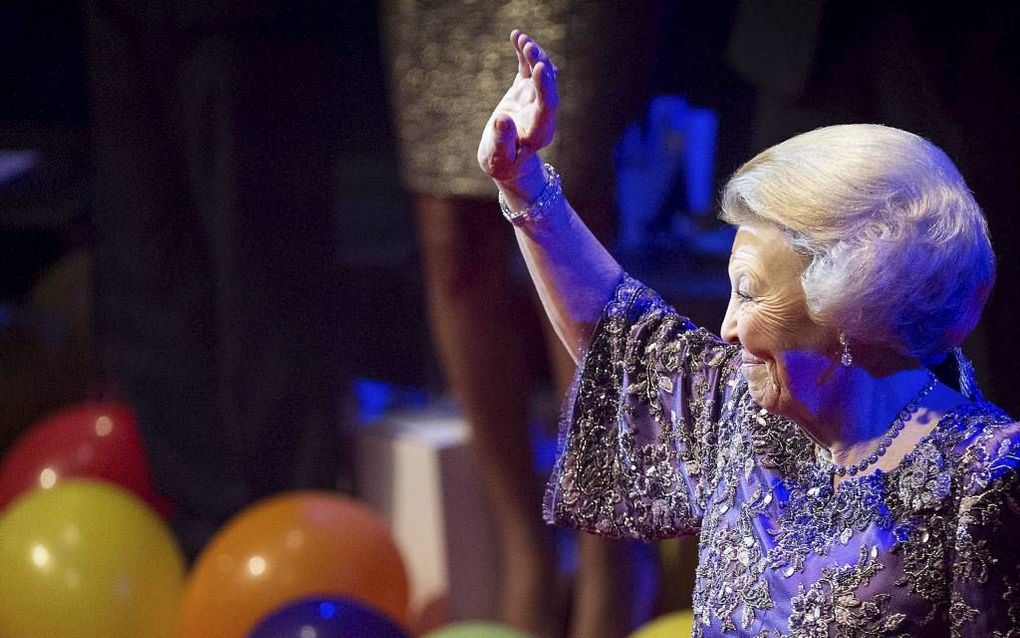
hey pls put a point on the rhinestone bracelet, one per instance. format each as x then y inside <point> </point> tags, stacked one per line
<point>550,195</point>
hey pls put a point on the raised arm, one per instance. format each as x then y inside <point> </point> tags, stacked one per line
<point>574,274</point>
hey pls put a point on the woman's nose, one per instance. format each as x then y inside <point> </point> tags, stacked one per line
<point>728,331</point>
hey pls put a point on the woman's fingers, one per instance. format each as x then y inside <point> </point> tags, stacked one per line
<point>545,85</point>
<point>542,70</point>
<point>543,127</point>
<point>520,39</point>
<point>529,53</point>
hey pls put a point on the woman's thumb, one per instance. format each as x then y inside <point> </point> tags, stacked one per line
<point>506,133</point>
<point>505,152</point>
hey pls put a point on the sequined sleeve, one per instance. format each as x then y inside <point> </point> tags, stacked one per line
<point>638,434</point>
<point>985,597</point>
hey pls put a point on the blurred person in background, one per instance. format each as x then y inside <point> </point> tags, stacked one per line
<point>446,66</point>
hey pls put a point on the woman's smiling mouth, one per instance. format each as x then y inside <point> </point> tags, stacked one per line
<point>749,359</point>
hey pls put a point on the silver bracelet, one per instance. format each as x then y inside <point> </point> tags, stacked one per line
<point>550,195</point>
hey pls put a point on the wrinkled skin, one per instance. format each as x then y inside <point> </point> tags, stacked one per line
<point>787,356</point>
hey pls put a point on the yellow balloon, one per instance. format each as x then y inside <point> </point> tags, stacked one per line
<point>679,624</point>
<point>87,560</point>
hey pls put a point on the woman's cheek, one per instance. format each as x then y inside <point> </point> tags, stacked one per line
<point>762,333</point>
<point>765,334</point>
<point>763,385</point>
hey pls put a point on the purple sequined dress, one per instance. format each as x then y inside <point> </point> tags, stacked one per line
<point>661,438</point>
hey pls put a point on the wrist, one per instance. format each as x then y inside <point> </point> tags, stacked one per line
<point>522,191</point>
<point>535,210</point>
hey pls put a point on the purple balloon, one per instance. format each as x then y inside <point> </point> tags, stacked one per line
<point>326,618</point>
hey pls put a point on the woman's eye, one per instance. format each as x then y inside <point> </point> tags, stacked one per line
<point>742,295</point>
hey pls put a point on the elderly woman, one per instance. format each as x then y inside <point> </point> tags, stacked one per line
<point>838,485</point>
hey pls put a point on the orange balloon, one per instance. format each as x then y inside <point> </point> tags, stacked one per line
<point>293,546</point>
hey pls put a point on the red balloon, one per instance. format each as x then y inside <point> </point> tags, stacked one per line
<point>91,440</point>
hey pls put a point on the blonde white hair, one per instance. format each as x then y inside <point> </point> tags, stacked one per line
<point>899,250</point>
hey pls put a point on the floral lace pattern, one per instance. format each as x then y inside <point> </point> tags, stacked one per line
<point>660,438</point>
<point>833,601</point>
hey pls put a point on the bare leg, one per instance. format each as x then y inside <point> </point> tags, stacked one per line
<point>616,588</point>
<point>617,580</point>
<point>476,328</point>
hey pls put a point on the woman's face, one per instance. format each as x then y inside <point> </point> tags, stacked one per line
<point>786,355</point>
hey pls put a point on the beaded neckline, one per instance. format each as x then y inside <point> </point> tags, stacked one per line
<point>824,458</point>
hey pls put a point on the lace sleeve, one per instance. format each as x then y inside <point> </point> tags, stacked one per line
<point>985,597</point>
<point>638,433</point>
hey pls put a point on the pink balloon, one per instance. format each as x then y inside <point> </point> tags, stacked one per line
<point>92,440</point>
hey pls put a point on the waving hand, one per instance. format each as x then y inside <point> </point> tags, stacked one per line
<point>524,121</point>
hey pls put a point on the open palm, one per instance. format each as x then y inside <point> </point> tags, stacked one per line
<point>524,121</point>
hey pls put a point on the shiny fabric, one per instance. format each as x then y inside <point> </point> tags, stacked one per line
<point>660,438</point>
<point>451,61</point>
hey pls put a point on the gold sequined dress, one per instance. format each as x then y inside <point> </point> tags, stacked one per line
<point>452,61</point>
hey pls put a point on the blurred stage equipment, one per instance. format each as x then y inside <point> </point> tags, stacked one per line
<point>665,173</point>
<point>417,469</point>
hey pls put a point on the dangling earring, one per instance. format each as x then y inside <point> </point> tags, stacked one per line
<point>846,358</point>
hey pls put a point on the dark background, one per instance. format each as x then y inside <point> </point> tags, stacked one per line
<point>949,73</point>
